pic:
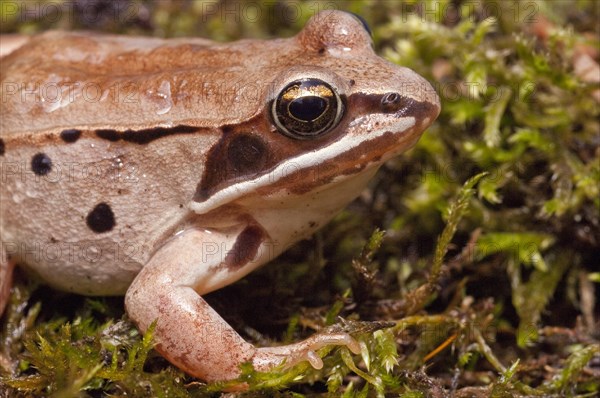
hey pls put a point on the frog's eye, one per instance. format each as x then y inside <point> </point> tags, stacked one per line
<point>307,108</point>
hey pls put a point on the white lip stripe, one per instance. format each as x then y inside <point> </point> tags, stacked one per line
<point>301,162</point>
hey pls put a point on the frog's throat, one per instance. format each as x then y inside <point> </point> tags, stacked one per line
<point>300,163</point>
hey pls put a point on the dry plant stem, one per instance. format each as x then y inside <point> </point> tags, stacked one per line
<point>487,352</point>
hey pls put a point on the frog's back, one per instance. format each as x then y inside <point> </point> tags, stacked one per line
<point>59,78</point>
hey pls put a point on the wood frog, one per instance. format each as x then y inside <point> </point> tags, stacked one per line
<point>164,169</point>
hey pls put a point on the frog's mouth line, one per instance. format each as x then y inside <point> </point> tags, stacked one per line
<point>299,164</point>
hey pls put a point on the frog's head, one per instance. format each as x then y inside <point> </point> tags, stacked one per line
<point>332,114</point>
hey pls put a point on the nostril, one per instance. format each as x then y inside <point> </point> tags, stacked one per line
<point>391,102</point>
<point>391,97</point>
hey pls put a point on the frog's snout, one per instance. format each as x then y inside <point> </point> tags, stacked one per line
<point>397,105</point>
<point>411,95</point>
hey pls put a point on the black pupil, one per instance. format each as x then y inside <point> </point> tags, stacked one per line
<point>307,108</point>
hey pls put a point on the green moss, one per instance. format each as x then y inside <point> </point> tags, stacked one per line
<point>71,359</point>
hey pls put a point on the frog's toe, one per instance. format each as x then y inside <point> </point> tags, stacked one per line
<point>268,357</point>
<point>321,340</point>
<point>314,360</point>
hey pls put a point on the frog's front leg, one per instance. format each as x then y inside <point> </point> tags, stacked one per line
<point>189,333</point>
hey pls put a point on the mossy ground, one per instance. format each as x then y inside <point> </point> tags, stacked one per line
<point>490,291</point>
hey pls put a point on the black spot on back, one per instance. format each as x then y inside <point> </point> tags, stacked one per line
<point>148,135</point>
<point>144,136</point>
<point>41,164</point>
<point>110,135</point>
<point>2,147</point>
<point>70,135</point>
<point>101,218</point>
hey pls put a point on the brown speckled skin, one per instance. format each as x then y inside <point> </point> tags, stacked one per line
<point>190,216</point>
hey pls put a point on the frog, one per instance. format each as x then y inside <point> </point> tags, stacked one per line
<point>164,169</point>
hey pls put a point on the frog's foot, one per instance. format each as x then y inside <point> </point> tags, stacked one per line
<point>268,357</point>
<point>6,270</point>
